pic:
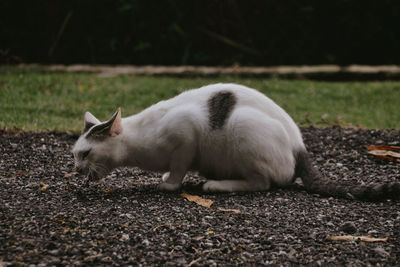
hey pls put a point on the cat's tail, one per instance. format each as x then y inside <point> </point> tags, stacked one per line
<point>314,182</point>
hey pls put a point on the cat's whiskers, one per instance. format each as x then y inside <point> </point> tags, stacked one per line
<point>97,171</point>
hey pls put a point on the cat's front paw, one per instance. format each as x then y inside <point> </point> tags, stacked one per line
<point>169,187</point>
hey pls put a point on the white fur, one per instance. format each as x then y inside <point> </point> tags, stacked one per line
<point>254,147</point>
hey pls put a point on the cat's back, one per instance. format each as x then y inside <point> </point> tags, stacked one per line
<point>213,105</point>
<point>202,95</point>
<point>214,96</point>
<point>220,100</point>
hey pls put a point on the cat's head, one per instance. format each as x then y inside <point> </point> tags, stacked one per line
<point>96,150</point>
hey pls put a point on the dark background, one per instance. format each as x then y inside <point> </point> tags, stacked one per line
<point>208,32</point>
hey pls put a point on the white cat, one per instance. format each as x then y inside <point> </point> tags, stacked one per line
<point>236,137</point>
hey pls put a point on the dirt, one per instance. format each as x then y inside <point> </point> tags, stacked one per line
<point>48,217</point>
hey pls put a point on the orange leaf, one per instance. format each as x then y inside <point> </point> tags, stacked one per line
<point>231,211</point>
<point>43,187</point>
<point>383,147</point>
<point>67,175</point>
<point>198,200</point>
<point>109,191</point>
<point>385,152</point>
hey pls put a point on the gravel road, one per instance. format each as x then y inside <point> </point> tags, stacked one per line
<point>47,216</point>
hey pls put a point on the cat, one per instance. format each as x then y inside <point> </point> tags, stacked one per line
<point>235,136</point>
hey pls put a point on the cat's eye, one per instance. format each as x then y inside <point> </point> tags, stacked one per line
<point>84,154</point>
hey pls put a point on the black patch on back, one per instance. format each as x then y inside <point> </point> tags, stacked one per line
<point>220,105</point>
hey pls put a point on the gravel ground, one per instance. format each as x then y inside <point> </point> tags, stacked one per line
<point>47,217</point>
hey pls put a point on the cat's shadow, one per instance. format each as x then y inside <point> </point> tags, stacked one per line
<point>91,192</point>
<point>98,192</point>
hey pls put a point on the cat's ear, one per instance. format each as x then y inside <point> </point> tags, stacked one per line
<point>90,121</point>
<point>112,127</point>
<point>116,125</point>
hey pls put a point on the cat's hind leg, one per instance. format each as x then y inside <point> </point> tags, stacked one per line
<point>260,152</point>
<point>256,182</point>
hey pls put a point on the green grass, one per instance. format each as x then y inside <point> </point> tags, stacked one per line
<point>38,101</point>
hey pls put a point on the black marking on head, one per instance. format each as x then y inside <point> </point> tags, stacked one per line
<point>88,125</point>
<point>220,105</point>
<point>99,131</point>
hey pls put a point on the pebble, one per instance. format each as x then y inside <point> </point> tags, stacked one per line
<point>381,252</point>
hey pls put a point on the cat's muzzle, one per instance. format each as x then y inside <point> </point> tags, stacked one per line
<point>93,176</point>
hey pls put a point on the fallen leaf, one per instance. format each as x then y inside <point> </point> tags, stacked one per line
<point>385,152</point>
<point>67,175</point>
<point>230,211</point>
<point>43,187</point>
<point>60,220</point>
<point>383,147</point>
<point>357,238</point>
<point>109,191</point>
<point>18,173</point>
<point>194,262</point>
<point>78,230</point>
<point>198,200</point>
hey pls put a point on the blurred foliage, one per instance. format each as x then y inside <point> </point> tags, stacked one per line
<point>200,32</point>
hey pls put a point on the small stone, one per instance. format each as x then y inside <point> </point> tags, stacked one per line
<point>372,232</point>
<point>381,252</point>
<point>330,224</point>
<point>54,252</point>
<point>124,237</point>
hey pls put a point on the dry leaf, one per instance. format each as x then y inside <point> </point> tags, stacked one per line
<point>109,191</point>
<point>200,201</point>
<point>357,238</point>
<point>385,152</point>
<point>383,147</point>
<point>194,262</point>
<point>18,173</point>
<point>43,187</point>
<point>231,211</point>
<point>67,175</point>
